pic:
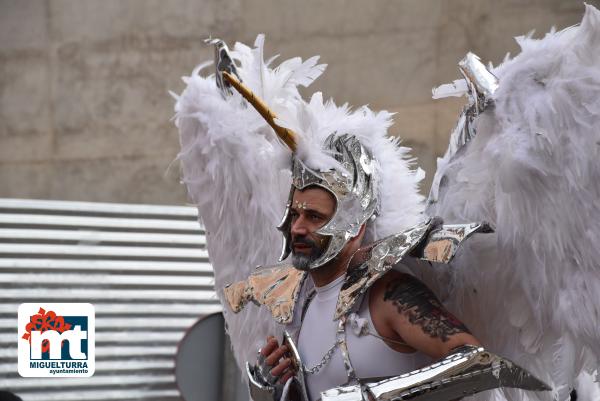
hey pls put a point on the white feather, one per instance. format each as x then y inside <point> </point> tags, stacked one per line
<point>532,290</point>
<point>231,164</point>
<point>401,205</point>
<point>457,88</point>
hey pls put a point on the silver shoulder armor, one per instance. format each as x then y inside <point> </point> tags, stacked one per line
<point>444,240</point>
<point>466,371</point>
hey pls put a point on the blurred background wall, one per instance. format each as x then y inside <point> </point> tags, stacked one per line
<point>84,104</point>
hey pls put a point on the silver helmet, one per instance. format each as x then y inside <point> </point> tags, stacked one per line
<point>353,187</point>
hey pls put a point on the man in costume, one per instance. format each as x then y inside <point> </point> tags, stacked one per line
<point>356,319</point>
<point>356,231</point>
<point>397,315</point>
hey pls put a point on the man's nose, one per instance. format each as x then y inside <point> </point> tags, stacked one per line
<point>299,226</point>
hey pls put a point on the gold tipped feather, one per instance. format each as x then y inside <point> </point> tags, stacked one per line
<point>286,135</point>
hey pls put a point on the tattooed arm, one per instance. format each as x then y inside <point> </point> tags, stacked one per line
<point>404,309</point>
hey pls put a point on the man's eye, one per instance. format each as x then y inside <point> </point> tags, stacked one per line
<point>315,217</point>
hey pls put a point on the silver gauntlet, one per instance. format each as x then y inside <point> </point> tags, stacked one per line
<point>263,385</point>
<point>466,371</point>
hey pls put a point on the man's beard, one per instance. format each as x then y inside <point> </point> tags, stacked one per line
<point>302,261</point>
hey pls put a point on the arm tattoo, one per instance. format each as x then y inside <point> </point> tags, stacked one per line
<point>413,299</point>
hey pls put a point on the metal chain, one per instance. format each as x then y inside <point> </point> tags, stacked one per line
<point>326,358</point>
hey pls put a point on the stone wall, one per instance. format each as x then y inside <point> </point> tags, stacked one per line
<point>84,105</point>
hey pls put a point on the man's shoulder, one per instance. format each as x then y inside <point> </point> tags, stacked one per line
<point>372,262</point>
<point>394,279</point>
<point>394,275</point>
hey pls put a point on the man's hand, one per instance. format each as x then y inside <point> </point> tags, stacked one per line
<point>277,359</point>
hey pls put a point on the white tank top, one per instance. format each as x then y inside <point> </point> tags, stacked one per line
<point>369,355</point>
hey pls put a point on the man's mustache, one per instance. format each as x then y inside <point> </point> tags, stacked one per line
<point>304,241</point>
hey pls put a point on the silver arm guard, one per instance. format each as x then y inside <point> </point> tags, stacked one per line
<point>261,382</point>
<point>466,371</point>
<point>260,389</point>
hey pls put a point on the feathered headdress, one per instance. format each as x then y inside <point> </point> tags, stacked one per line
<point>237,170</point>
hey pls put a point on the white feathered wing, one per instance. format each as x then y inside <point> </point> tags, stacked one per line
<point>531,291</point>
<point>232,167</point>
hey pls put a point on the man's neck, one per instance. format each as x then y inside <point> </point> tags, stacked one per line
<point>328,272</point>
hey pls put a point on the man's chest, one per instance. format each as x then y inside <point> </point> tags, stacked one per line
<point>318,348</point>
